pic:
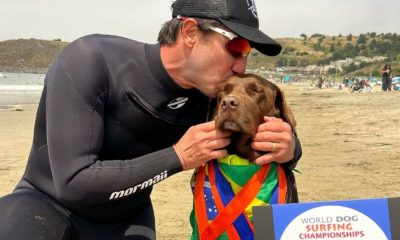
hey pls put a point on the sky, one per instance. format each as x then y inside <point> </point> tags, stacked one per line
<point>141,20</point>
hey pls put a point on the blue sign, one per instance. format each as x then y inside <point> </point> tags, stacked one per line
<point>366,219</point>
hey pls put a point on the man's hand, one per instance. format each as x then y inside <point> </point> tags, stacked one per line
<point>200,144</point>
<point>275,137</point>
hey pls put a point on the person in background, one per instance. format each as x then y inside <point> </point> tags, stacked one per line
<point>117,116</point>
<point>386,78</point>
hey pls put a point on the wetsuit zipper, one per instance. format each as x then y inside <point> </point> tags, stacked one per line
<point>135,99</point>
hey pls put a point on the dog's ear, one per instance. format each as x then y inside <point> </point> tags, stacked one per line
<point>214,104</point>
<point>283,111</point>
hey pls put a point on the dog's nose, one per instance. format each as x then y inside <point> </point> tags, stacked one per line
<point>229,103</point>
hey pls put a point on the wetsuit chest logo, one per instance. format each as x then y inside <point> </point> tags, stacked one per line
<point>178,102</point>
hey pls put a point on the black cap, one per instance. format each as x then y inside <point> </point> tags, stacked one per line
<point>238,15</point>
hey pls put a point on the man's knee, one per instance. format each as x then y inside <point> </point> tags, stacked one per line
<point>29,215</point>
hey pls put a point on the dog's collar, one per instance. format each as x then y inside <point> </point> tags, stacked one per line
<point>233,159</point>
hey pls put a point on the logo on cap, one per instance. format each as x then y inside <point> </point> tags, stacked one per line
<point>252,7</point>
<point>177,102</point>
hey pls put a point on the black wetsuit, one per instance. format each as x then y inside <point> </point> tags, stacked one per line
<point>106,121</point>
<point>386,81</point>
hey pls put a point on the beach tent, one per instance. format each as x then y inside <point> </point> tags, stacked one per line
<point>373,81</point>
<point>396,83</point>
<point>287,78</point>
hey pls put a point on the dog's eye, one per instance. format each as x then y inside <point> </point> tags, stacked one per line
<point>227,88</point>
<point>256,90</point>
<point>253,88</point>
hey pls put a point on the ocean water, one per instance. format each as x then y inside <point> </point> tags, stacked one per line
<point>20,88</point>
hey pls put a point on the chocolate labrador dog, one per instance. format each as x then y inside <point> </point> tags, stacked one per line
<point>242,103</point>
<point>226,189</point>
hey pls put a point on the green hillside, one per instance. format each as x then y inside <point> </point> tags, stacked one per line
<point>320,50</point>
<point>28,55</point>
<point>305,54</point>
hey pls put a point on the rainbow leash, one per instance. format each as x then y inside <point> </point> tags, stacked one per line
<point>225,193</point>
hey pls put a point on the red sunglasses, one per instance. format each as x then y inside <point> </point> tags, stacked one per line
<point>238,47</point>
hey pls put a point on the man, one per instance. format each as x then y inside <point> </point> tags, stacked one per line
<point>118,116</point>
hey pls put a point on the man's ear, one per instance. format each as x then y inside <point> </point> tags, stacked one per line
<point>189,32</point>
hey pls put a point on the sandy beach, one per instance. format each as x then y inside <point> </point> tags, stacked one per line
<point>351,149</point>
